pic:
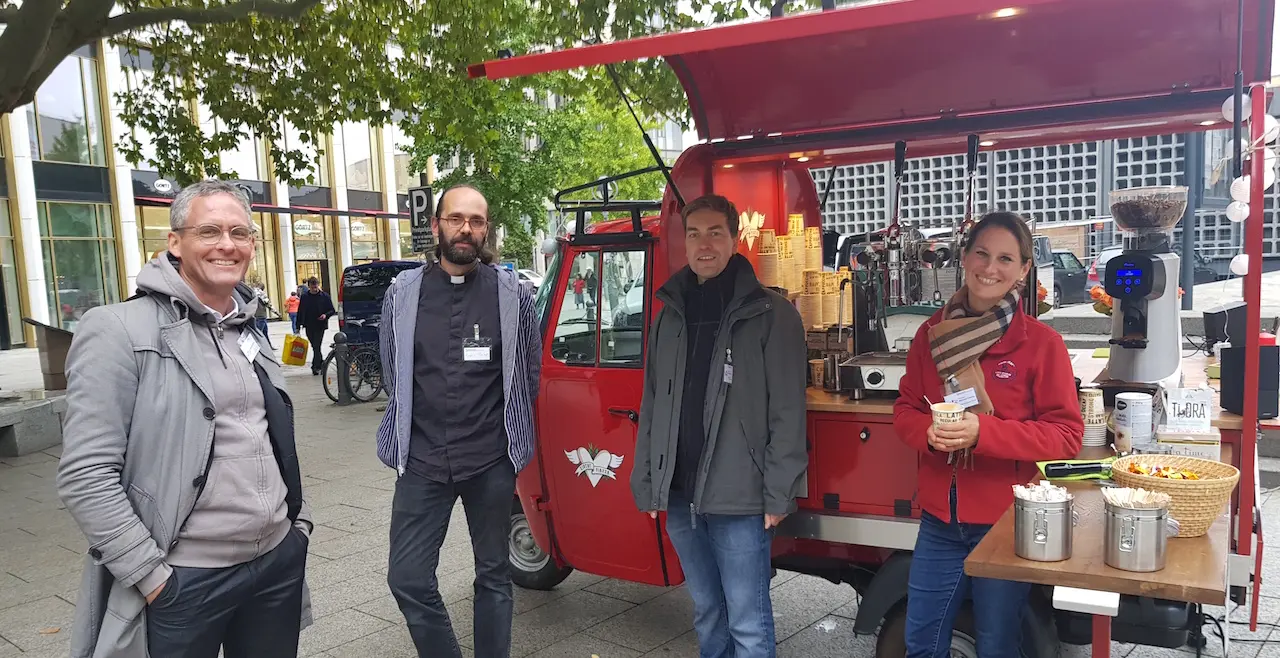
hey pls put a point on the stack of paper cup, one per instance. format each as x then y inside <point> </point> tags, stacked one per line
<point>768,241</point>
<point>786,265</point>
<point>830,298</point>
<point>813,282</point>
<point>769,275</point>
<point>1133,421</point>
<point>795,225</point>
<point>810,307</point>
<point>813,248</point>
<point>1095,417</point>
<point>841,276</point>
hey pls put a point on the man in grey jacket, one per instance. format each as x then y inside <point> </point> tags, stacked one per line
<point>721,443</point>
<point>178,457</point>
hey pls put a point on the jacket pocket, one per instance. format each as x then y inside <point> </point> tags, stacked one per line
<point>145,506</point>
<point>757,456</point>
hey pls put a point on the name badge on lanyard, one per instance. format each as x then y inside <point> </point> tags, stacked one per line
<point>249,346</point>
<point>477,348</point>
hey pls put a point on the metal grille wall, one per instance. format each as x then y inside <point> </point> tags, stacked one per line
<point>1050,184</point>
<point>934,190</point>
<point>859,198</point>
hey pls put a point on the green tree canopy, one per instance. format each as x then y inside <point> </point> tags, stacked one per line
<point>258,65</point>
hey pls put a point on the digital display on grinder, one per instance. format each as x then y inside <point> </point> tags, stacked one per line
<point>1129,278</point>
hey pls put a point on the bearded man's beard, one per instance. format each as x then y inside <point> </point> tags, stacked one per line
<point>454,250</point>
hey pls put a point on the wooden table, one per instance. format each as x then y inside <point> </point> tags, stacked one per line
<point>1195,567</point>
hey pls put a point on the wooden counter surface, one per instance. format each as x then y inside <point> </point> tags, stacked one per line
<point>820,400</point>
<point>1195,567</point>
<point>1086,368</point>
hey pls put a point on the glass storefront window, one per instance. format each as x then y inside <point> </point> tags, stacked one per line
<point>313,249</point>
<point>368,239</point>
<point>80,258</point>
<point>357,157</point>
<point>9,299</point>
<point>65,120</point>
<point>406,239</point>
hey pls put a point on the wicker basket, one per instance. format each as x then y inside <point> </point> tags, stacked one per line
<point>1196,504</point>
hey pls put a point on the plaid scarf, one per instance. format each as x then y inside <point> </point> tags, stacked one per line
<point>963,336</point>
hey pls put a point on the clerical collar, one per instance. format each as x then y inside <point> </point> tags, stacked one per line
<point>459,280</point>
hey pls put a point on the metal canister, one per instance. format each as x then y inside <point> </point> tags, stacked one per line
<point>1137,538</point>
<point>831,372</point>
<point>1043,531</point>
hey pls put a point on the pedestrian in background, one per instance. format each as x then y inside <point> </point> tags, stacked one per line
<point>178,462</point>
<point>313,315</point>
<point>460,352</point>
<point>291,307</point>
<point>261,315</point>
<point>721,443</point>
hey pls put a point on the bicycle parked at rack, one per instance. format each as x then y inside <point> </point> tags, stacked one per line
<point>365,366</point>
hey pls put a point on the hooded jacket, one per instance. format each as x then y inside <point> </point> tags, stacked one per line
<point>207,476</point>
<point>755,455</point>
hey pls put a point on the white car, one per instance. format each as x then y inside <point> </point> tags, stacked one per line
<point>531,277</point>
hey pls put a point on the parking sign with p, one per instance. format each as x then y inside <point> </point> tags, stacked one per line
<point>420,219</point>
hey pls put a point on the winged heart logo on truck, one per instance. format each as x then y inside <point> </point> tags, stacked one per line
<point>749,225</point>
<point>594,463</point>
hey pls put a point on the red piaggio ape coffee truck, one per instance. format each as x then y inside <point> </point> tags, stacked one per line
<point>772,99</point>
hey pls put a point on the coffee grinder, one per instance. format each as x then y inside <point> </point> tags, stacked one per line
<point>1146,328</point>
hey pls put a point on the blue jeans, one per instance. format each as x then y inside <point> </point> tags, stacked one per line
<point>938,587</point>
<point>293,320</point>
<point>727,568</point>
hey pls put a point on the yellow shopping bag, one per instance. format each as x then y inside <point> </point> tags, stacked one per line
<point>295,350</point>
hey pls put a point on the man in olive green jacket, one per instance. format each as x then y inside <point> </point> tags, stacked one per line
<point>721,444</point>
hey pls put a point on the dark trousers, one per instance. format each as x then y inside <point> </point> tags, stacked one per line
<point>252,610</point>
<point>420,514</point>
<point>315,336</point>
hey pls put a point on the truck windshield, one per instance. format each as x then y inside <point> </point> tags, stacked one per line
<point>547,289</point>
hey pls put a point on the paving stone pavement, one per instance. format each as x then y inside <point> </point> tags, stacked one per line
<point>41,552</point>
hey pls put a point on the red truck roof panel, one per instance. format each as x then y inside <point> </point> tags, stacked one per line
<point>915,60</point>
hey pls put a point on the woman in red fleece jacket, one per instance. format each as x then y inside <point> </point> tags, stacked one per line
<point>1020,373</point>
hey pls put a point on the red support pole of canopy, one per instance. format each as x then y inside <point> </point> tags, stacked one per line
<point>1253,322</point>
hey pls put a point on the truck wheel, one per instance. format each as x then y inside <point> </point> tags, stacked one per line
<point>1039,639</point>
<point>531,567</point>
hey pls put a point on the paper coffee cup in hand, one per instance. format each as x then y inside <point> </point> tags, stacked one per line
<point>947,412</point>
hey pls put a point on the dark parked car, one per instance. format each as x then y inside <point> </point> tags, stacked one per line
<point>1069,279</point>
<point>360,296</point>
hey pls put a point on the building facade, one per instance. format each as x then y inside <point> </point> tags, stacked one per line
<point>77,221</point>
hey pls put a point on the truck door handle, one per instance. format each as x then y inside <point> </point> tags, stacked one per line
<point>630,414</point>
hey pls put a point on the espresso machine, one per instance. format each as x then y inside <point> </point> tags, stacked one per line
<point>1146,328</point>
